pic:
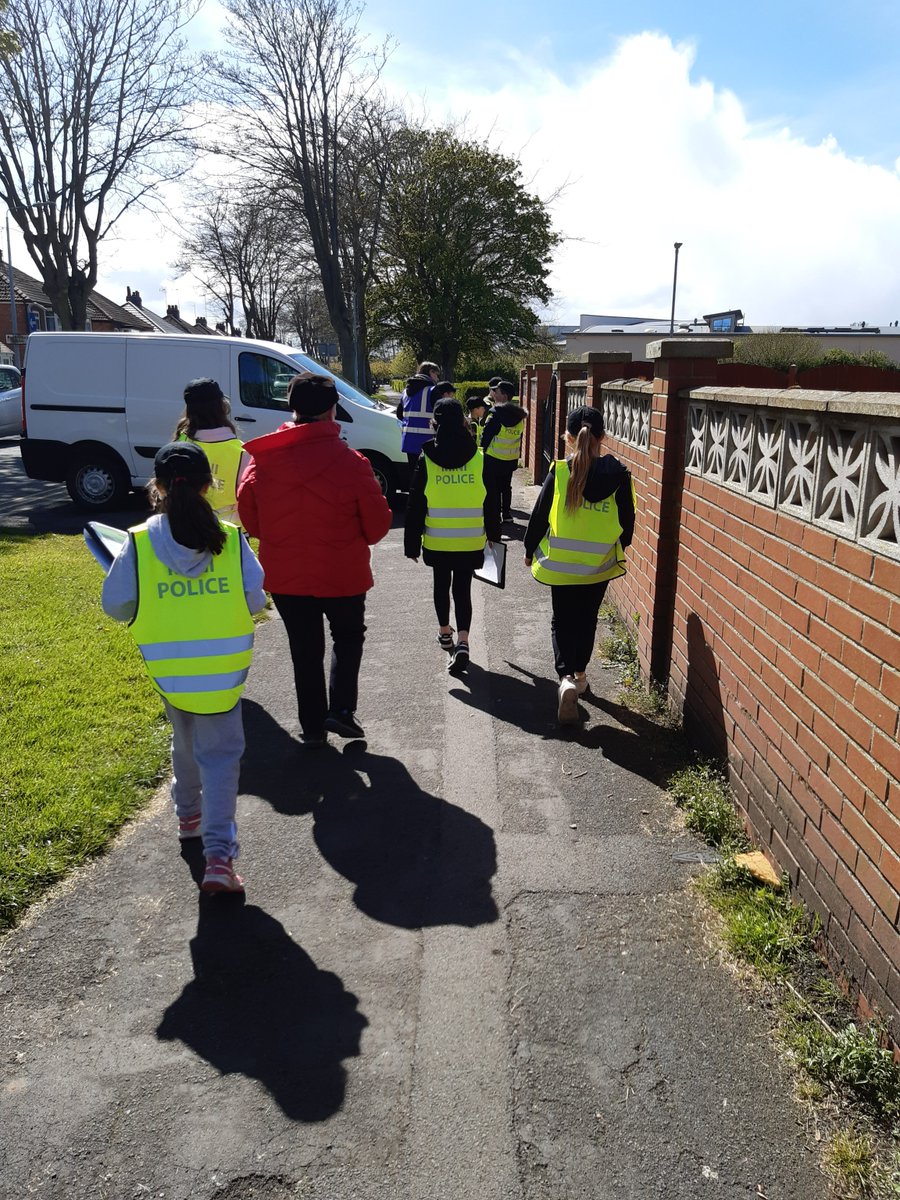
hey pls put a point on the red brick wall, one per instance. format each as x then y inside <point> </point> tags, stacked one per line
<point>784,657</point>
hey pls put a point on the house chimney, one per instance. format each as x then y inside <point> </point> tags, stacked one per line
<point>136,299</point>
<point>172,311</point>
<point>201,321</point>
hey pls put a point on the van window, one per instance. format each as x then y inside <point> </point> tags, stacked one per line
<point>345,389</point>
<point>263,380</point>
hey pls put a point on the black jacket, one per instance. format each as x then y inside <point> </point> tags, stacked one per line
<point>606,477</point>
<point>451,456</point>
<point>503,414</point>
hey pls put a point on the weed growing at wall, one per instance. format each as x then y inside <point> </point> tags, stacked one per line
<point>619,649</point>
<point>703,793</point>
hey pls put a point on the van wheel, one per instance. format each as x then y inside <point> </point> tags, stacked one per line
<point>96,481</point>
<point>384,473</point>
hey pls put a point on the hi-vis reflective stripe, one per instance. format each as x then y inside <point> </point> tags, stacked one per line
<point>558,543</point>
<point>460,531</point>
<point>505,441</point>
<point>201,683</point>
<point>454,512</point>
<point>154,651</point>
<point>573,568</point>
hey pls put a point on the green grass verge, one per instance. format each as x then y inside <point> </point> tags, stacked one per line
<point>82,737</point>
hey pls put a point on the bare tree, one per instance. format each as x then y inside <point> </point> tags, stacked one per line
<point>92,121</point>
<point>306,114</point>
<point>244,252</point>
<point>307,313</point>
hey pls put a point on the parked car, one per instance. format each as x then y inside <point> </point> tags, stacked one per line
<point>10,377</point>
<point>10,412</point>
<point>99,405</point>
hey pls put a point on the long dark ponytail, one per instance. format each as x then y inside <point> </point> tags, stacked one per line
<point>585,425</point>
<point>182,474</point>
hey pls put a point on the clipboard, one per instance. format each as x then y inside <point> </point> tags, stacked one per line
<point>104,542</point>
<point>493,569</point>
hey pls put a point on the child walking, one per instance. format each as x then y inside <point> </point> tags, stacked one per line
<point>187,584</point>
<point>448,523</point>
<point>575,541</point>
<point>206,421</point>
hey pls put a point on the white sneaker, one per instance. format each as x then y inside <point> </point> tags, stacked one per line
<point>567,710</point>
<point>581,685</point>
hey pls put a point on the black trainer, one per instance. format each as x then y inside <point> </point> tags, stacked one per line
<point>459,660</point>
<point>344,724</point>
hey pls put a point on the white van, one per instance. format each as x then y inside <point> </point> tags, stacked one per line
<point>98,406</point>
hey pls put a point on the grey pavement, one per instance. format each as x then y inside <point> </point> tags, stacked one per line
<point>469,964</point>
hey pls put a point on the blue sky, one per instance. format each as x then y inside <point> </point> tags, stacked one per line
<point>765,137</point>
<point>823,68</point>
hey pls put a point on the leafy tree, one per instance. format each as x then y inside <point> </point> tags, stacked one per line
<point>466,250</point>
<point>92,112</point>
<point>9,43</point>
<point>306,116</point>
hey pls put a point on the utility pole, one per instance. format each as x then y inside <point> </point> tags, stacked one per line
<point>13,317</point>
<point>678,246</point>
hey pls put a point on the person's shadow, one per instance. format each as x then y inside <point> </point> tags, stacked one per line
<point>259,1006</point>
<point>525,700</point>
<point>415,859</point>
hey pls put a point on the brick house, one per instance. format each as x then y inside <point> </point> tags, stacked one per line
<point>34,310</point>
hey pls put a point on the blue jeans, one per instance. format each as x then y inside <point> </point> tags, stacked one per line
<point>206,767</point>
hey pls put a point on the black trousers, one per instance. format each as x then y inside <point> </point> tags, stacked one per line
<point>459,578</point>
<point>498,475</point>
<point>573,626</point>
<point>303,621</point>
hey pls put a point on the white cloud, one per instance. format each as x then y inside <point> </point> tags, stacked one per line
<point>790,232</point>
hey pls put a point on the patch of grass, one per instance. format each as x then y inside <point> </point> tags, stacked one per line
<point>853,1163</point>
<point>82,736</point>
<point>703,793</point>
<point>761,927</point>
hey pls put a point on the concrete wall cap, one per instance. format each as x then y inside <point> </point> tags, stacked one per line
<point>601,356</point>
<point>690,347</point>
<point>628,385</point>
<point>875,404</point>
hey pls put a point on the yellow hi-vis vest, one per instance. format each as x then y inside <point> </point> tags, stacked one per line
<point>507,444</point>
<point>454,519</point>
<point>580,547</point>
<point>195,635</point>
<point>224,464</point>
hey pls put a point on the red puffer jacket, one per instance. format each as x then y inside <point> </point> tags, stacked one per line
<point>316,508</point>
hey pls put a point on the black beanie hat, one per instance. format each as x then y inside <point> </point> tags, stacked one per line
<point>181,460</point>
<point>591,417</point>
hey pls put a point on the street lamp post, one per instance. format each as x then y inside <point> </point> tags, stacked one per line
<point>13,318</point>
<point>678,246</point>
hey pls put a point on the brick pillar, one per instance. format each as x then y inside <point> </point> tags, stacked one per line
<point>601,367</point>
<point>534,385</point>
<point>564,372</point>
<point>680,365</point>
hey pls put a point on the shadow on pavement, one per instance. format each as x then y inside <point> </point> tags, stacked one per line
<point>415,859</point>
<point>643,747</point>
<point>259,1006</point>
<point>529,703</point>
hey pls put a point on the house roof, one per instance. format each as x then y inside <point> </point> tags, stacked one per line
<point>31,291</point>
